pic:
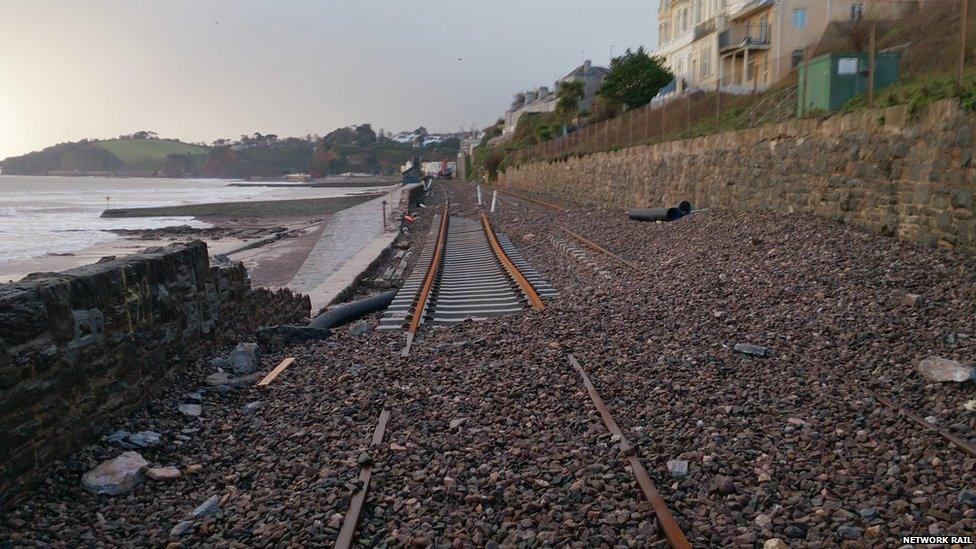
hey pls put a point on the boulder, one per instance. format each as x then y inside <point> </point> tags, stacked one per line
<point>936,368</point>
<point>144,439</point>
<point>191,410</point>
<point>116,476</point>
<point>245,358</point>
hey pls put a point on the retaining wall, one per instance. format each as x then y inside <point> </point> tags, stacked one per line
<point>879,169</point>
<point>82,347</point>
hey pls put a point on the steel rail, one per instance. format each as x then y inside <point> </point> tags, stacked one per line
<point>964,445</point>
<point>348,530</point>
<point>421,302</point>
<point>513,271</point>
<point>601,249</point>
<point>534,201</point>
<point>671,529</point>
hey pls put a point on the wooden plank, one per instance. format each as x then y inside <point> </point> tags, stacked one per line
<point>276,372</point>
<point>351,520</point>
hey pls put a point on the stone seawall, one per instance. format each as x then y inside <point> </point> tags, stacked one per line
<point>82,347</point>
<point>878,169</point>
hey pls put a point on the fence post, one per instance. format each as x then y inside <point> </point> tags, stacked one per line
<point>718,105</point>
<point>688,116</point>
<point>664,120</point>
<point>964,16</point>
<point>806,81</point>
<point>871,46</point>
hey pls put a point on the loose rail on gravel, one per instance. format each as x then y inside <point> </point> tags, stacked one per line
<point>670,527</point>
<point>349,522</point>
<point>601,249</point>
<point>471,273</point>
<point>534,201</point>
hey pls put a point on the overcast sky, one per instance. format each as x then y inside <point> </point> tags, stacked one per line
<point>202,69</point>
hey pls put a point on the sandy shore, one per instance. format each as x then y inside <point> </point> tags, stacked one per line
<point>272,238</point>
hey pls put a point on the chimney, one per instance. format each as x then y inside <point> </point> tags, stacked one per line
<point>586,67</point>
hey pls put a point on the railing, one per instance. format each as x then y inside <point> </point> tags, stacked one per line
<point>741,36</point>
<point>703,28</point>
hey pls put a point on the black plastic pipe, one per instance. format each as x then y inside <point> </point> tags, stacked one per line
<point>684,207</point>
<point>654,214</point>
<point>344,314</point>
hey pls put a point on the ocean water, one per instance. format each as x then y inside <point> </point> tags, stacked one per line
<point>42,215</point>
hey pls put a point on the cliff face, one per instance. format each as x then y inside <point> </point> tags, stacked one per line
<point>81,347</point>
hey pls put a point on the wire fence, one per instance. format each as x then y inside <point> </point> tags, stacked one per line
<point>927,40</point>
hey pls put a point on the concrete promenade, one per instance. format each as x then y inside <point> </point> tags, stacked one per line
<point>352,239</point>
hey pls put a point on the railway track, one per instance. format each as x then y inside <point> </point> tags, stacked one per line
<point>470,273</point>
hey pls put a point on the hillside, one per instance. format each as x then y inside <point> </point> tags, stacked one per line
<point>122,156</point>
<point>136,151</point>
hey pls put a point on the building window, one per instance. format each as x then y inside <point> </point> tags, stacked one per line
<point>706,62</point>
<point>698,12</point>
<point>799,18</point>
<point>857,11</point>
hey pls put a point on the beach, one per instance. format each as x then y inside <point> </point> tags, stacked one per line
<point>51,224</point>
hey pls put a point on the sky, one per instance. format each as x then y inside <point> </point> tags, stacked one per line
<point>199,70</point>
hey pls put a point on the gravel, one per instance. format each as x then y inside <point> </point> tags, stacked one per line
<point>494,441</point>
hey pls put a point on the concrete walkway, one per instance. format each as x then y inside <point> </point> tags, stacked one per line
<point>352,239</point>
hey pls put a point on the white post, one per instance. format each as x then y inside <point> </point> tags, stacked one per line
<point>479,195</point>
<point>494,200</point>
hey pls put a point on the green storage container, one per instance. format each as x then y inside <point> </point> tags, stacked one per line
<point>837,77</point>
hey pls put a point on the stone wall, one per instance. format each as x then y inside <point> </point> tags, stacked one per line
<point>81,347</point>
<point>879,169</point>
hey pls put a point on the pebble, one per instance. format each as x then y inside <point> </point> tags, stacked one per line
<point>193,469</point>
<point>775,543</point>
<point>191,410</point>
<point>678,468</point>
<point>850,532</point>
<point>163,473</point>
<point>753,350</point>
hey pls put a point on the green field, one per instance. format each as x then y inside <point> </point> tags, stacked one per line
<point>138,151</point>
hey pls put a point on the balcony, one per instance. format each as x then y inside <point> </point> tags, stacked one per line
<point>704,28</point>
<point>744,37</point>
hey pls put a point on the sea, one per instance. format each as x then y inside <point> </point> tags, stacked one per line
<point>47,215</point>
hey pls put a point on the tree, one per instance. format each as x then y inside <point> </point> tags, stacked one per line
<point>634,79</point>
<point>518,101</point>
<point>568,98</point>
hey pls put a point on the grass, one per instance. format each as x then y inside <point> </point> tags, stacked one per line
<point>138,151</point>
<point>919,92</point>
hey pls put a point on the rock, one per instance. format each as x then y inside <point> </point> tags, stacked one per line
<point>796,530</point>
<point>873,531</point>
<point>970,406</point>
<point>529,237</point>
<point>335,521</point>
<point>191,410</point>
<point>935,368</point>
<point>914,300</point>
<point>118,437</point>
<point>181,528</point>
<point>455,423</point>
<point>364,459</point>
<point>775,543</point>
<point>219,378</point>
<point>763,521</point>
<point>252,406</point>
<point>359,328</point>
<point>725,486</point>
<point>194,396</point>
<point>116,476</point>
<point>850,532</point>
<point>678,468</point>
<point>193,469</point>
<point>750,349</point>
<point>967,497</point>
<point>932,419</point>
<point>163,473</point>
<point>245,358</point>
<point>206,508</point>
<point>144,439</point>
<point>868,514</point>
<point>397,448</point>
